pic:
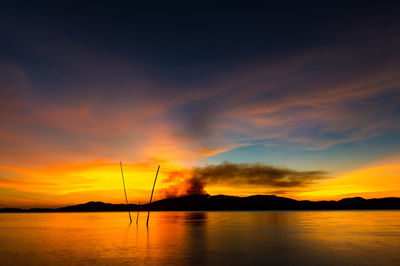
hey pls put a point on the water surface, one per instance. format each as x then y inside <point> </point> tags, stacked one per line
<point>202,238</point>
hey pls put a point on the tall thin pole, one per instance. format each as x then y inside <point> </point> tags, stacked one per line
<point>137,217</point>
<point>151,197</point>
<point>126,198</point>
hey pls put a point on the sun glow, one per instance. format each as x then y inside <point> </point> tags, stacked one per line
<point>380,179</point>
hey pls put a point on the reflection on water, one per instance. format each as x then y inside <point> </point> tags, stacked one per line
<point>202,238</point>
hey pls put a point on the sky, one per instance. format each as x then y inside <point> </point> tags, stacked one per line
<point>299,100</point>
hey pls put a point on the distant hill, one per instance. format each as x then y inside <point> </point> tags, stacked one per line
<point>232,203</point>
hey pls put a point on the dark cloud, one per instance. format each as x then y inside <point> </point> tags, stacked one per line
<point>255,174</point>
<point>236,174</point>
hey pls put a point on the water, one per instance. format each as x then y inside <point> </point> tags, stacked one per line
<point>202,238</point>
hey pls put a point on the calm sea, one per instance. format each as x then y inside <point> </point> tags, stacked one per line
<point>202,238</point>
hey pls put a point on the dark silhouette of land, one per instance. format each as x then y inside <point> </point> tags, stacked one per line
<point>231,203</point>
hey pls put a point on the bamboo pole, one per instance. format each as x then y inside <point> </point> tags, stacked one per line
<point>151,197</point>
<point>126,198</point>
<point>137,217</point>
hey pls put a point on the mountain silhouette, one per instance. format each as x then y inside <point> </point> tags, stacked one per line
<point>231,203</point>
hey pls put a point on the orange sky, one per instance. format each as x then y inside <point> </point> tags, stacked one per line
<point>101,180</point>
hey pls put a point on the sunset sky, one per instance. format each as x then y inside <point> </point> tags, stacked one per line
<point>300,101</point>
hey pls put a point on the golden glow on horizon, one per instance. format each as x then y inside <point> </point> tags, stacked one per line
<point>101,181</point>
<point>380,179</point>
<point>98,181</point>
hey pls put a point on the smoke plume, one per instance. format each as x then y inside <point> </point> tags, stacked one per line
<point>233,174</point>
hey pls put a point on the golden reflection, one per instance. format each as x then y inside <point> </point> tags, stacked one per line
<point>207,238</point>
